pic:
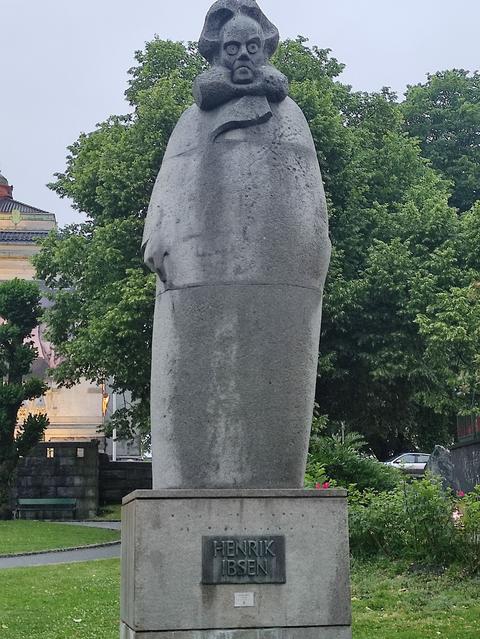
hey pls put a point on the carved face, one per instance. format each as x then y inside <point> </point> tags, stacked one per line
<point>242,48</point>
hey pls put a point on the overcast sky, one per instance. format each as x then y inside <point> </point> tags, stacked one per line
<point>63,63</point>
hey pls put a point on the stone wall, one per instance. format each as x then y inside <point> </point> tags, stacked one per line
<point>118,479</point>
<point>466,462</point>
<point>60,469</point>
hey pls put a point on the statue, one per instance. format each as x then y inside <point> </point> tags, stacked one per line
<point>237,234</point>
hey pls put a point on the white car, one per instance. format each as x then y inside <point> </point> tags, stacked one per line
<point>412,463</point>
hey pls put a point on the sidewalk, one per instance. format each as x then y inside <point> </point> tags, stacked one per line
<point>101,551</point>
<point>111,525</point>
<point>62,557</point>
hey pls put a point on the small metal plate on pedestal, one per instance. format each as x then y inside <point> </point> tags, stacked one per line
<point>243,560</point>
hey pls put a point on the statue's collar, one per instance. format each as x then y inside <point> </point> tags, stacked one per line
<point>240,113</point>
<point>233,106</point>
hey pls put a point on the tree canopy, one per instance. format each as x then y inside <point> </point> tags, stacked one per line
<point>444,114</point>
<point>395,363</point>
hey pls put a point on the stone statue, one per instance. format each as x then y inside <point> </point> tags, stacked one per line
<point>237,234</point>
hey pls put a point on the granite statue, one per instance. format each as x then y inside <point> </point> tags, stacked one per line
<point>237,234</point>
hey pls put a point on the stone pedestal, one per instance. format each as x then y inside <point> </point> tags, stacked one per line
<point>235,564</point>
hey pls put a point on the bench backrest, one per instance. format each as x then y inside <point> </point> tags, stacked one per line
<point>53,501</point>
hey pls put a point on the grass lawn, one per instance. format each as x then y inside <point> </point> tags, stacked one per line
<point>389,602</point>
<point>110,512</point>
<point>70,601</point>
<point>27,536</point>
<point>80,601</point>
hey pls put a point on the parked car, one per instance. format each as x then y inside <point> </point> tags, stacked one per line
<point>411,463</point>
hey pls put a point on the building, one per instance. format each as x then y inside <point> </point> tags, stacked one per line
<point>21,226</point>
<point>75,414</point>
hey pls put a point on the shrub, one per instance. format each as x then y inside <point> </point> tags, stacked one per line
<point>315,474</point>
<point>375,522</point>
<point>468,530</point>
<point>346,464</point>
<point>429,524</point>
<point>414,521</point>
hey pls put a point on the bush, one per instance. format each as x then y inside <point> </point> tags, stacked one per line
<point>429,524</point>
<point>346,464</point>
<point>414,522</point>
<point>468,530</point>
<point>315,474</point>
<point>375,522</point>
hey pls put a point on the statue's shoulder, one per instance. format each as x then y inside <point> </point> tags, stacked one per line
<point>185,136</point>
<point>291,121</point>
<point>288,109</point>
<point>188,117</point>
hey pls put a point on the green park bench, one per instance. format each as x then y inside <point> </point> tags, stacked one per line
<point>50,503</point>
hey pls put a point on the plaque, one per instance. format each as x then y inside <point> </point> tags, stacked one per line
<point>244,600</point>
<point>243,560</point>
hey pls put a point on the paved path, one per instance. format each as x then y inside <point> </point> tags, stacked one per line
<point>112,525</point>
<point>63,557</point>
<point>67,556</point>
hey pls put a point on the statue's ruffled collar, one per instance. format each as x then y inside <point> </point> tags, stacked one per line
<point>239,105</point>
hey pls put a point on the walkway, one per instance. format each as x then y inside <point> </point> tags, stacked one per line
<point>112,525</point>
<point>108,551</point>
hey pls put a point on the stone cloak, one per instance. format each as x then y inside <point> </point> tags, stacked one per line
<point>238,223</point>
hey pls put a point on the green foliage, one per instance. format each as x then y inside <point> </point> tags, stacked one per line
<point>452,325</point>
<point>412,522</point>
<point>346,464</point>
<point>392,256</point>
<point>444,114</point>
<point>163,59</point>
<point>469,531</point>
<point>30,433</point>
<point>429,529</point>
<point>102,320</point>
<point>20,313</point>
<point>315,474</point>
<point>300,62</point>
<point>376,523</point>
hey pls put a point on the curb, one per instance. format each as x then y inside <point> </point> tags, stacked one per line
<point>58,550</point>
<point>82,522</point>
<point>101,521</point>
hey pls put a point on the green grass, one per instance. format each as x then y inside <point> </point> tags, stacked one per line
<point>389,602</point>
<point>80,601</point>
<point>71,601</point>
<point>110,512</point>
<point>28,536</point>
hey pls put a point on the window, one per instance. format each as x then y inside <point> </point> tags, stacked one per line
<point>81,452</point>
<point>50,453</point>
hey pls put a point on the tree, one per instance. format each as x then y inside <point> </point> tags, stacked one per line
<point>396,240</point>
<point>20,312</point>
<point>444,114</point>
<point>451,326</point>
<point>102,320</point>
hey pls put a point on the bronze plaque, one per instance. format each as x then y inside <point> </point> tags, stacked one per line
<point>243,560</point>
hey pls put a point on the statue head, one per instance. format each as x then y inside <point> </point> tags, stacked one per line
<point>238,41</point>
<point>242,48</point>
<point>238,36</point>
